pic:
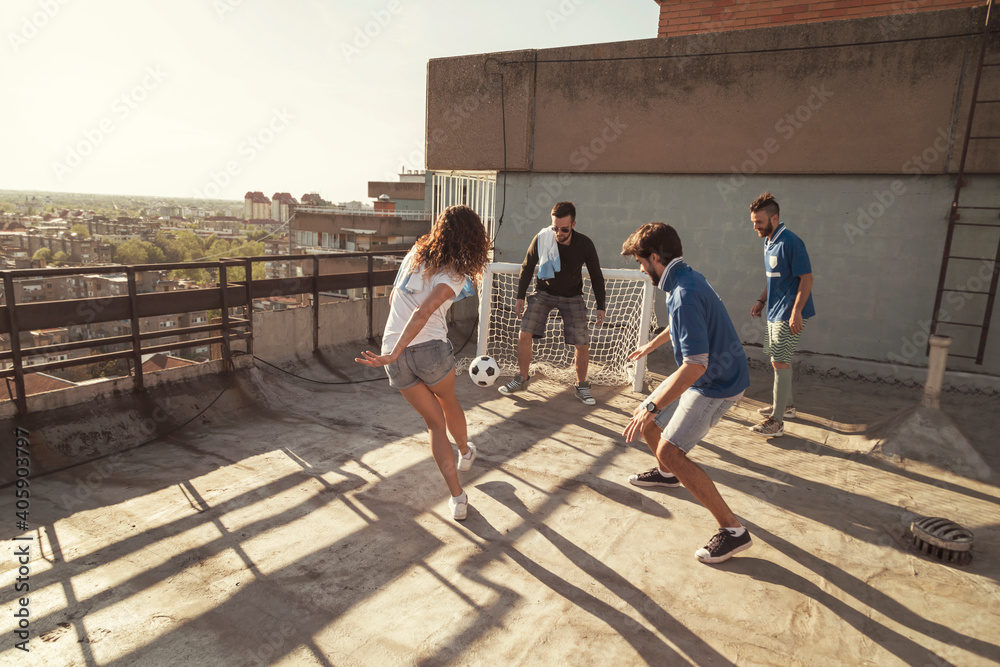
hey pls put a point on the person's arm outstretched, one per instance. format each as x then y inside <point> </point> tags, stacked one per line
<point>418,318</point>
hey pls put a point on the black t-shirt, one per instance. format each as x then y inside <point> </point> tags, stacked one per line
<point>568,280</point>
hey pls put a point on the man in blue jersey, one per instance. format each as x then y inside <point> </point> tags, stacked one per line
<point>788,299</point>
<point>711,376</point>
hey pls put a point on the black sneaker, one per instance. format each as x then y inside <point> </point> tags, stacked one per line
<point>722,546</point>
<point>515,385</point>
<point>652,477</point>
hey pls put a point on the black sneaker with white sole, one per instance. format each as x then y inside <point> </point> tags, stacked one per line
<point>584,394</point>
<point>517,384</point>
<point>652,477</point>
<point>723,546</point>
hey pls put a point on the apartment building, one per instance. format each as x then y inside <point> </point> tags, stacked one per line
<point>282,206</point>
<point>256,206</point>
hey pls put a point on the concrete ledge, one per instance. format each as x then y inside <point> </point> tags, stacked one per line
<point>880,372</point>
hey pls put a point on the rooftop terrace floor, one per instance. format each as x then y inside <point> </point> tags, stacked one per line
<point>303,524</point>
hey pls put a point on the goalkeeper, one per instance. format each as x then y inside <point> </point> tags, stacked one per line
<point>560,253</point>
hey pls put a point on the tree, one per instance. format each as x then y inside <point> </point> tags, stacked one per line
<point>59,258</point>
<point>131,252</point>
<point>43,253</point>
<point>80,230</point>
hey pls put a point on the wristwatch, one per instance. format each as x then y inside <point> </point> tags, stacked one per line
<point>650,407</point>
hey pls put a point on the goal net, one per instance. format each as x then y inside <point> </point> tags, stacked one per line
<point>627,323</point>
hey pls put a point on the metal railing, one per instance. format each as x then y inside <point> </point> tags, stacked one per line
<point>405,215</point>
<point>224,296</point>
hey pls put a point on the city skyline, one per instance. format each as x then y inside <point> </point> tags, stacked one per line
<point>212,98</point>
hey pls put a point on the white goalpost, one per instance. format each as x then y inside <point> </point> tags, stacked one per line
<point>628,319</point>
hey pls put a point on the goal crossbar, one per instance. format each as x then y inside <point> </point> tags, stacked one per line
<point>628,319</point>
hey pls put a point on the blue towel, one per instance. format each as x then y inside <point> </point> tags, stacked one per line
<point>411,281</point>
<point>548,254</point>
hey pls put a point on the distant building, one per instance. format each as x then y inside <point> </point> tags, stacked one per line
<point>410,193</point>
<point>256,206</point>
<point>282,206</point>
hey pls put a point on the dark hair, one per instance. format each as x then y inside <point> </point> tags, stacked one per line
<point>564,208</point>
<point>765,202</point>
<point>457,242</point>
<point>654,237</point>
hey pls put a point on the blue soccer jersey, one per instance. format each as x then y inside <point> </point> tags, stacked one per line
<point>699,324</point>
<point>785,259</point>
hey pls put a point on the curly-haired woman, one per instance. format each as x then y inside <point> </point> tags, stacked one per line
<point>416,352</point>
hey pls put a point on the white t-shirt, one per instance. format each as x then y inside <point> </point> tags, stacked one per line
<point>406,299</point>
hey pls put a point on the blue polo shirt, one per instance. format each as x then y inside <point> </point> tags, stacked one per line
<point>699,324</point>
<point>785,259</point>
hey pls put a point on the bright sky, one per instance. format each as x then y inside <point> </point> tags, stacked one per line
<point>216,97</point>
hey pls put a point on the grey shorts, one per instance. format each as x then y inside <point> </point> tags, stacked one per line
<point>688,419</point>
<point>428,362</point>
<point>572,309</point>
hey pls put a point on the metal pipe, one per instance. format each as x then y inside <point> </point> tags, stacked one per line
<point>936,363</point>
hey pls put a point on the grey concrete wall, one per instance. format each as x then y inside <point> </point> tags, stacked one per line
<point>875,243</point>
<point>287,334</point>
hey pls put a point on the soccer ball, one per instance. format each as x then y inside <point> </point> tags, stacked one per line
<point>484,371</point>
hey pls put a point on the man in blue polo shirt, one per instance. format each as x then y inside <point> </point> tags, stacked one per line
<point>711,376</point>
<point>788,298</point>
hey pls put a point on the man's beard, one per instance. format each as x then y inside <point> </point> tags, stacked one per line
<point>654,277</point>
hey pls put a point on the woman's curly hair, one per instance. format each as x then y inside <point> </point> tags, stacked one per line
<point>457,242</point>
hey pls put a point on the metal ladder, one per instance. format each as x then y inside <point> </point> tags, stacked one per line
<point>948,267</point>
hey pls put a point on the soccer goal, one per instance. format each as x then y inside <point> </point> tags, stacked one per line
<point>627,324</point>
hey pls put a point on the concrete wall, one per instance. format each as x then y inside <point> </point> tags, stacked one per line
<point>382,225</point>
<point>767,98</point>
<point>858,143</point>
<point>286,334</point>
<point>874,241</point>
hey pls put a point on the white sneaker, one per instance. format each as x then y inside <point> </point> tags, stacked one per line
<point>459,510</point>
<point>466,463</point>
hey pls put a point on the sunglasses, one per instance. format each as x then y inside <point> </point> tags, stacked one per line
<point>561,229</point>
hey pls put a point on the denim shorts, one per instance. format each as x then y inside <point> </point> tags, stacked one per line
<point>572,309</point>
<point>688,419</point>
<point>428,362</point>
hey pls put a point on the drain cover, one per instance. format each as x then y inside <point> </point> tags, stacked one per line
<point>942,538</point>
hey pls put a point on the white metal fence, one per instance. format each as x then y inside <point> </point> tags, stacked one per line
<point>475,189</point>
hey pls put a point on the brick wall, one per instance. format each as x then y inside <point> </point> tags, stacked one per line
<point>684,17</point>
